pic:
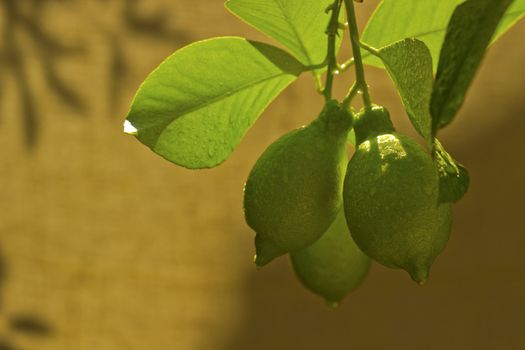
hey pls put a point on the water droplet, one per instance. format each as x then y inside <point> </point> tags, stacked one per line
<point>309,155</point>
<point>332,304</point>
<point>285,177</point>
<point>451,170</point>
<point>428,190</point>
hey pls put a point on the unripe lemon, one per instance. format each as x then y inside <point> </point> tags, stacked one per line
<point>293,192</point>
<point>333,266</point>
<point>391,198</point>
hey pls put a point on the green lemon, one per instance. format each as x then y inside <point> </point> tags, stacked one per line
<point>333,266</point>
<point>391,198</point>
<point>293,192</point>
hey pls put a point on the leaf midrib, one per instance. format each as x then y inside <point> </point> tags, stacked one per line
<point>213,100</point>
<point>434,31</point>
<point>456,77</point>
<point>299,39</point>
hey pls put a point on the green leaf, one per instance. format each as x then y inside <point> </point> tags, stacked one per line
<point>409,64</point>
<point>427,20</point>
<point>515,12</point>
<point>299,25</point>
<point>197,105</point>
<point>454,179</point>
<point>351,138</point>
<point>469,33</point>
<point>396,20</point>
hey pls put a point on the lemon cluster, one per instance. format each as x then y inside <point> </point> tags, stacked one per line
<point>332,216</point>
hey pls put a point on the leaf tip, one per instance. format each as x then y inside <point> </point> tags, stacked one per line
<point>129,128</point>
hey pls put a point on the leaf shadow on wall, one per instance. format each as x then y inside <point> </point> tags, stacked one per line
<point>27,18</point>
<point>25,324</point>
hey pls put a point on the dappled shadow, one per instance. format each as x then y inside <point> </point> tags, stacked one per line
<point>134,23</point>
<point>27,18</point>
<point>18,323</point>
<point>279,58</point>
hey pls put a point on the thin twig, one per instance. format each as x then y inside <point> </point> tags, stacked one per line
<point>361,85</point>
<point>331,31</point>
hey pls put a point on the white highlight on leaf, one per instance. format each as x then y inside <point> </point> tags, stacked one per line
<point>129,128</point>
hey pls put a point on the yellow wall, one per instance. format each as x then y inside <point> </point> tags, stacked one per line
<point>117,249</point>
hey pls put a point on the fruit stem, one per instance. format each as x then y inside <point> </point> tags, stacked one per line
<point>350,95</point>
<point>318,84</point>
<point>346,65</point>
<point>360,85</point>
<point>332,31</point>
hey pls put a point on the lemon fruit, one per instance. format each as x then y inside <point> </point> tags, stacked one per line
<point>293,192</point>
<point>333,266</point>
<point>391,197</point>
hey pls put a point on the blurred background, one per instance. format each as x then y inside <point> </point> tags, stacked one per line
<point>105,245</point>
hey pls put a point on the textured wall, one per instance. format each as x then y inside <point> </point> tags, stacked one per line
<point>107,246</point>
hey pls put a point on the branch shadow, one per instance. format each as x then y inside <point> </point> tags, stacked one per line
<point>28,17</point>
<point>20,323</point>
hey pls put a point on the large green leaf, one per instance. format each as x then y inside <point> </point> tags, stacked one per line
<point>515,12</point>
<point>426,20</point>
<point>469,33</point>
<point>197,105</point>
<point>299,25</point>
<point>409,64</point>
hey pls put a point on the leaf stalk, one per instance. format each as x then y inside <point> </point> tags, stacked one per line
<point>332,32</point>
<point>360,85</point>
